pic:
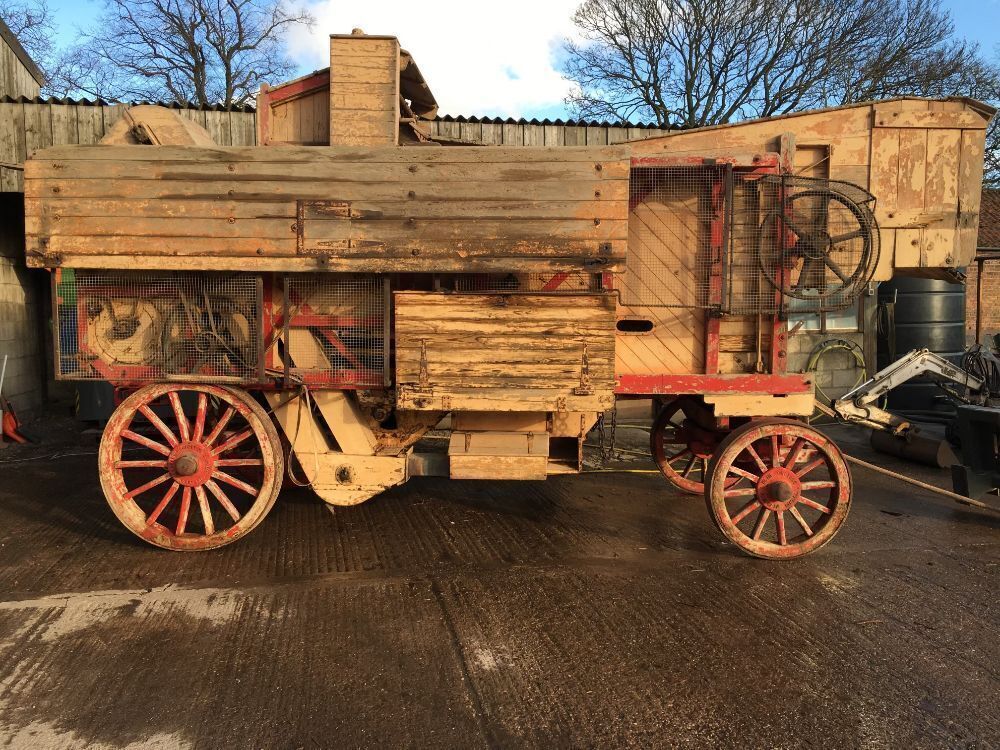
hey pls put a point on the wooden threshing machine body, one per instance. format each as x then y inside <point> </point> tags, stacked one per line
<point>368,281</point>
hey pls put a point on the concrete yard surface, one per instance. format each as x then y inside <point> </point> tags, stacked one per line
<point>602,610</point>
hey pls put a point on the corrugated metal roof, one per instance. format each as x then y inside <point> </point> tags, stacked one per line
<point>104,103</point>
<point>535,121</point>
<point>250,108</point>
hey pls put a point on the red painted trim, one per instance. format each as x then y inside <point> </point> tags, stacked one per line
<point>263,115</point>
<point>655,385</point>
<point>554,283</point>
<point>300,87</point>
<point>713,323</point>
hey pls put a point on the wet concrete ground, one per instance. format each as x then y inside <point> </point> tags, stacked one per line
<point>593,611</point>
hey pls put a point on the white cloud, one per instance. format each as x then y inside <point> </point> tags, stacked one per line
<point>479,59</point>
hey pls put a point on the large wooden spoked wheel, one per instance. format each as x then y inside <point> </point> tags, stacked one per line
<point>190,467</point>
<point>791,493</point>
<point>680,448</point>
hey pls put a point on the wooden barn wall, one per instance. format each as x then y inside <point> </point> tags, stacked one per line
<point>15,80</point>
<point>526,134</point>
<point>26,126</point>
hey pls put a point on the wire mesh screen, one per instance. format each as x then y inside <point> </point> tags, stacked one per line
<point>120,325</point>
<point>336,333</point>
<point>818,241</point>
<point>675,236</point>
<point>743,243</point>
<point>549,283</point>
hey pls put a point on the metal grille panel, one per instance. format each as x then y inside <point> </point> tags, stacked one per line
<point>337,329</point>
<point>743,243</point>
<point>135,326</point>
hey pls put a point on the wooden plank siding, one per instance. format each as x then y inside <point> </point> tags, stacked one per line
<point>26,126</point>
<point>349,209</point>
<point>471,351</point>
<point>534,133</point>
<point>364,91</point>
<point>921,158</point>
<point>19,75</point>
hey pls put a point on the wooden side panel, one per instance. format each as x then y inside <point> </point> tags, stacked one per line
<point>364,91</point>
<point>361,209</point>
<point>303,121</point>
<point>518,352</point>
<point>926,174</point>
<point>903,151</point>
<point>15,79</point>
<point>666,236</point>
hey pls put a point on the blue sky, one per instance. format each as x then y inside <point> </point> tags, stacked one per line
<point>492,76</point>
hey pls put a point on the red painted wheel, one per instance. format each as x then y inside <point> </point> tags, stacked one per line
<point>787,489</point>
<point>190,467</point>
<point>681,447</point>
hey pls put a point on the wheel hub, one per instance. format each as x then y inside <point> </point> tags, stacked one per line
<point>191,464</point>
<point>778,489</point>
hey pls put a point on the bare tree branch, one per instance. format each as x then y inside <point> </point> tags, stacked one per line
<point>205,51</point>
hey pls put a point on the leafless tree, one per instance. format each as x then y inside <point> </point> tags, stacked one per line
<point>702,62</point>
<point>205,51</point>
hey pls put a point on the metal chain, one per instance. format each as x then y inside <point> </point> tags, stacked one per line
<point>606,436</point>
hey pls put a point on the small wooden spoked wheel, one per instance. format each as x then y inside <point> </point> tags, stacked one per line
<point>190,467</point>
<point>680,447</point>
<point>792,490</point>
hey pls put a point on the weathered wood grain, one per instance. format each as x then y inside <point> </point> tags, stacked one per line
<point>518,352</point>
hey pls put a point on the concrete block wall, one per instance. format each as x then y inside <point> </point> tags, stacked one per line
<point>25,381</point>
<point>838,371</point>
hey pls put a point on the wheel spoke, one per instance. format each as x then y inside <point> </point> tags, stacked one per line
<point>690,465</point>
<point>837,239</point>
<point>810,467</point>
<point>741,492</point>
<point>775,451</point>
<point>159,424</point>
<point>162,504</point>
<point>147,486</point>
<point>233,442</point>
<point>832,265</point>
<point>793,452</point>
<point>183,426</point>
<point>791,225</point>
<point>704,469</point>
<point>155,464</point>
<point>758,528</point>
<point>743,473</point>
<point>779,519</point>
<point>745,511</point>
<point>206,512</point>
<point>199,420</point>
<point>800,520</point>
<point>671,459</point>
<point>223,499</point>
<point>813,504</point>
<point>135,437</point>
<point>825,485</point>
<point>239,462</point>
<point>756,457</point>
<point>231,480</point>
<point>220,425</point>
<point>182,516</point>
